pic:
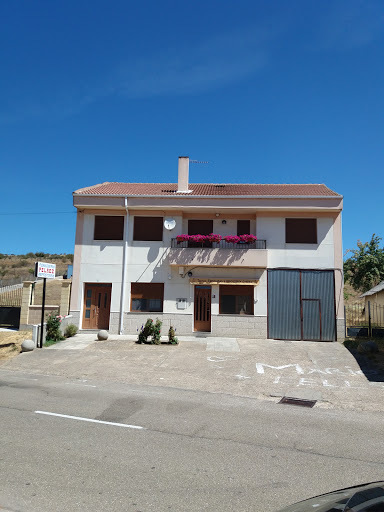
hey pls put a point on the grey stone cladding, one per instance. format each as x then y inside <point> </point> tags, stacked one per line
<point>181,323</point>
<point>236,326</point>
<point>340,329</point>
<point>222,325</point>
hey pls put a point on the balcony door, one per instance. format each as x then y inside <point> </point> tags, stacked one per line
<point>202,313</point>
<point>200,227</point>
<point>97,305</point>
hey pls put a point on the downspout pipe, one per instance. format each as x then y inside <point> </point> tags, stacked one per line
<point>124,273</point>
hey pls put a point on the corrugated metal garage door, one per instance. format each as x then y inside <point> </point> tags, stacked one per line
<point>301,305</point>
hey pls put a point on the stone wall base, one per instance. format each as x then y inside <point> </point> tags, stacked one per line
<point>222,325</point>
<point>340,329</point>
<point>239,326</point>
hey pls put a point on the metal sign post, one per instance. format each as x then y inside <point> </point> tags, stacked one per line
<point>46,271</point>
<point>42,313</point>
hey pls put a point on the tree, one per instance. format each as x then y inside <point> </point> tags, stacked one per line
<point>365,267</point>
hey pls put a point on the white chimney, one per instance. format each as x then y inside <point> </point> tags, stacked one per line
<point>183,176</point>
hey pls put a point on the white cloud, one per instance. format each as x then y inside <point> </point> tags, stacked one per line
<point>212,64</point>
<point>351,24</point>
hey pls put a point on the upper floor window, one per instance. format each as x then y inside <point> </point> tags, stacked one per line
<point>301,231</point>
<point>243,227</point>
<point>108,227</point>
<point>147,297</point>
<point>148,229</point>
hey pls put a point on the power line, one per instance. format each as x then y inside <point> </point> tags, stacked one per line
<point>37,213</point>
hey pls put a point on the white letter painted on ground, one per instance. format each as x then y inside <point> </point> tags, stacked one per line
<point>260,367</point>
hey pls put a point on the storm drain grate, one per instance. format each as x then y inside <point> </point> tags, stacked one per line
<point>302,402</point>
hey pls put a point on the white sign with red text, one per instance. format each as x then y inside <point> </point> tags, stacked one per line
<point>46,270</point>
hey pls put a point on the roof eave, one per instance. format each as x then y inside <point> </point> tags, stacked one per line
<point>216,196</point>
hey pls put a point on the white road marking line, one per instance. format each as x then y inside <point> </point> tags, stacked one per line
<point>89,419</point>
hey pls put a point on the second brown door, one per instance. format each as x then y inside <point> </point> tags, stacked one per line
<point>202,314</point>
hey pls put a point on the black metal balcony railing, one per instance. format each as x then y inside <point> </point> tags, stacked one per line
<point>258,244</point>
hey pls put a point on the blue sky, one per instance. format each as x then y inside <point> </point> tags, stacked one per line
<point>267,92</point>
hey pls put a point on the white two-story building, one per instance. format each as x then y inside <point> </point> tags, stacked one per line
<point>132,263</point>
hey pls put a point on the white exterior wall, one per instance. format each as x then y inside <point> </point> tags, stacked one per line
<point>311,256</point>
<point>101,262</point>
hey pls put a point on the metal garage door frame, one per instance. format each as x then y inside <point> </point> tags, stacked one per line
<point>300,298</point>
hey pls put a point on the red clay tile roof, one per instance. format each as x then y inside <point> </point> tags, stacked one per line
<point>207,189</point>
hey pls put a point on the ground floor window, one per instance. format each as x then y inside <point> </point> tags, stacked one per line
<point>236,299</point>
<point>147,297</point>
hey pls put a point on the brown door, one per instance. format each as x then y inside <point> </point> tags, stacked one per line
<point>97,305</point>
<point>202,308</point>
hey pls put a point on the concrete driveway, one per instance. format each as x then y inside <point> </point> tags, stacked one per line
<point>263,369</point>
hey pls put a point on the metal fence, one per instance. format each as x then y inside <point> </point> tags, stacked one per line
<point>11,295</point>
<point>258,244</point>
<point>364,320</point>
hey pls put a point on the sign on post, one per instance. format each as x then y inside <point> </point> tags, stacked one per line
<point>46,270</point>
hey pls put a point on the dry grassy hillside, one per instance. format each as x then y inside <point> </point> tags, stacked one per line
<point>21,267</point>
<point>351,296</point>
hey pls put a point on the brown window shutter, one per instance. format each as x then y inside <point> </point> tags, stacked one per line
<point>148,229</point>
<point>143,295</point>
<point>301,231</point>
<point>200,227</point>
<point>109,227</point>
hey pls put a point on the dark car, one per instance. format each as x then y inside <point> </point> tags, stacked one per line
<point>361,498</point>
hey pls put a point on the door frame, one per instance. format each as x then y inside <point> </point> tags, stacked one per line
<point>209,303</point>
<point>94,286</point>
<point>301,270</point>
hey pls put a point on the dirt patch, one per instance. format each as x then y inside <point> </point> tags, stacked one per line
<point>10,343</point>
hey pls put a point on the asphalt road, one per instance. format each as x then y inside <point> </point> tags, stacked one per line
<point>196,451</point>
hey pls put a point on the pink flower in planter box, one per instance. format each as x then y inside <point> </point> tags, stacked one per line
<point>198,238</point>
<point>249,239</point>
<point>182,238</point>
<point>214,238</point>
<point>232,239</point>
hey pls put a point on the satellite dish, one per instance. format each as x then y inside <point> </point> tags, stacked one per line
<point>169,224</point>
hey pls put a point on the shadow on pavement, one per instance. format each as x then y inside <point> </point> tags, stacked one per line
<point>371,364</point>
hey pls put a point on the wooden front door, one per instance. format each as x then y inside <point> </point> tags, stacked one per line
<point>202,308</point>
<point>97,305</point>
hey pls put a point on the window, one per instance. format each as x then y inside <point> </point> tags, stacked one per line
<point>243,227</point>
<point>148,229</point>
<point>147,297</point>
<point>108,227</point>
<point>301,231</point>
<point>236,299</point>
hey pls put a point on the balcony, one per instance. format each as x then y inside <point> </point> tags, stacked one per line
<point>218,254</point>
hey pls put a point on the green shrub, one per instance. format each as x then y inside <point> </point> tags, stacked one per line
<point>156,333</point>
<point>172,340</point>
<point>53,328</point>
<point>70,330</point>
<point>145,331</point>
